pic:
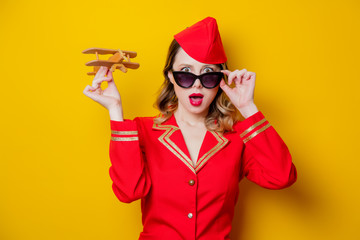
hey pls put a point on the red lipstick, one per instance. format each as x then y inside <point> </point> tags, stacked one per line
<point>196,99</point>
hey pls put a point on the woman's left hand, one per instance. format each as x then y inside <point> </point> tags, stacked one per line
<point>242,95</point>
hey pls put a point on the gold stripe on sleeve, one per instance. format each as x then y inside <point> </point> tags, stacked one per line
<point>124,132</point>
<point>124,139</point>
<point>252,127</point>
<point>257,132</point>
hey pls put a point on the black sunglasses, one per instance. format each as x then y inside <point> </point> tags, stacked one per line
<point>187,79</point>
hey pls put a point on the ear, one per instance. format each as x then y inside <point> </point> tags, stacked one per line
<point>170,76</point>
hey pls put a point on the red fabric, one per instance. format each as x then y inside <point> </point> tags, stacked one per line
<point>149,163</point>
<point>202,42</point>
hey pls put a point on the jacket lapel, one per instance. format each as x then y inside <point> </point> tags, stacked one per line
<point>213,143</point>
<point>173,140</point>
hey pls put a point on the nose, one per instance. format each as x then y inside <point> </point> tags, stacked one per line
<point>197,83</point>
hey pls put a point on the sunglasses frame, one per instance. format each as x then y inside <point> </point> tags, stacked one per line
<point>200,77</point>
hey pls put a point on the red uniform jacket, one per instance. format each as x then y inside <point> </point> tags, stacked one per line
<point>181,201</point>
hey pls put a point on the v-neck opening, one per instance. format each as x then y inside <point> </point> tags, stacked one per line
<point>187,152</point>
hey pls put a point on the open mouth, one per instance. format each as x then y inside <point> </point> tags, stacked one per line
<point>196,99</point>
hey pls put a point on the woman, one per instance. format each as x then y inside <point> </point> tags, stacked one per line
<point>185,165</point>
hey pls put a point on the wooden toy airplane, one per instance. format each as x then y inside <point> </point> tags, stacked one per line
<point>119,60</point>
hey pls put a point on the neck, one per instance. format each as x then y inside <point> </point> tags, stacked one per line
<point>189,118</point>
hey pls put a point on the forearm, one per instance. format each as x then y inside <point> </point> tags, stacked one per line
<point>266,158</point>
<point>128,171</point>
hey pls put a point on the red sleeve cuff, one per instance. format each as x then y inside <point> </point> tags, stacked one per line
<point>124,131</point>
<point>253,126</point>
<point>123,125</point>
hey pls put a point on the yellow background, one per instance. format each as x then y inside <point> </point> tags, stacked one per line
<point>54,181</point>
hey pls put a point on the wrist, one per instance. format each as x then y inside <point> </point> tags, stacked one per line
<point>116,113</point>
<point>248,110</point>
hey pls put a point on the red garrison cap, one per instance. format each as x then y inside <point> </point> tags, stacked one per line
<point>202,42</point>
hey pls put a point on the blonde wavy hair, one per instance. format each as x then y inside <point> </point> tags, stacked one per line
<point>222,113</point>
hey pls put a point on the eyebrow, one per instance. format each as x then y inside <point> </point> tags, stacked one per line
<point>189,65</point>
<point>185,65</point>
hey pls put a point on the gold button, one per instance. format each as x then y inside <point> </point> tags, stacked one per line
<point>191,182</point>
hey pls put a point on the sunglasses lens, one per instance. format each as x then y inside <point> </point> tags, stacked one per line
<point>208,80</point>
<point>184,79</point>
<point>211,80</point>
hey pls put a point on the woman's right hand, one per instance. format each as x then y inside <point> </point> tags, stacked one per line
<point>109,97</point>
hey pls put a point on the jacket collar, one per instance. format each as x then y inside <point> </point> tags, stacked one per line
<point>174,141</point>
